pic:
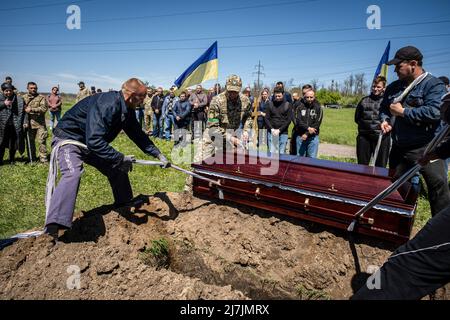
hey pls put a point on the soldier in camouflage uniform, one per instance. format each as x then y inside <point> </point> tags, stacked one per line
<point>83,93</point>
<point>36,107</point>
<point>230,110</point>
<point>148,111</point>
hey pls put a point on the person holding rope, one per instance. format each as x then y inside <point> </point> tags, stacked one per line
<point>422,265</point>
<point>83,135</point>
<point>417,120</point>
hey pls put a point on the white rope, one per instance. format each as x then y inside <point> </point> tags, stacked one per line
<point>423,249</point>
<point>50,188</point>
<point>53,171</point>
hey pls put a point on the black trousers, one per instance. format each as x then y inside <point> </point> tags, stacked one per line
<point>417,268</point>
<point>180,125</point>
<point>293,144</point>
<point>434,174</point>
<point>9,141</point>
<point>366,145</point>
<point>198,115</point>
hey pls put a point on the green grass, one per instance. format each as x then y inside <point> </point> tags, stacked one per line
<point>311,294</point>
<point>338,127</point>
<point>22,187</point>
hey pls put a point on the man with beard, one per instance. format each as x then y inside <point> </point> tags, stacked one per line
<point>230,110</point>
<point>417,119</point>
<point>36,107</point>
<point>307,125</point>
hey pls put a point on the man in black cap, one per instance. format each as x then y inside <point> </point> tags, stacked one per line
<point>422,265</point>
<point>417,119</point>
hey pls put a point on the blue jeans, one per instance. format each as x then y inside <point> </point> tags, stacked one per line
<point>157,126</point>
<point>309,147</point>
<point>53,115</point>
<point>169,122</point>
<point>140,115</point>
<point>279,147</point>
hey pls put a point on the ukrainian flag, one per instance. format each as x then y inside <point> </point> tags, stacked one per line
<point>205,68</point>
<point>382,68</point>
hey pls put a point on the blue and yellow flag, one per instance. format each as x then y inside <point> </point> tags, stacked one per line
<point>204,68</point>
<point>382,68</point>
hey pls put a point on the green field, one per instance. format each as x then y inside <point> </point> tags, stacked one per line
<point>23,186</point>
<point>338,126</point>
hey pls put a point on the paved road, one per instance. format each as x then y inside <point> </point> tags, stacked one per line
<point>337,150</point>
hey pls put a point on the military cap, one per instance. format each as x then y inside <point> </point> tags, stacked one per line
<point>234,83</point>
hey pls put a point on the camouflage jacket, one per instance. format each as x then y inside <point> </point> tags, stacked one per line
<point>83,94</point>
<point>224,115</point>
<point>39,107</point>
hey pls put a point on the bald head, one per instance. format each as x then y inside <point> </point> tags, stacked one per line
<point>134,92</point>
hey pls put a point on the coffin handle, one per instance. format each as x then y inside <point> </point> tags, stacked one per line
<point>306,204</point>
<point>257,193</point>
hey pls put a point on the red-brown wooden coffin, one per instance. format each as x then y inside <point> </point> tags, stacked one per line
<point>322,191</point>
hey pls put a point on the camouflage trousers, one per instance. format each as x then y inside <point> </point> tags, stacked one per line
<point>148,113</point>
<point>40,136</point>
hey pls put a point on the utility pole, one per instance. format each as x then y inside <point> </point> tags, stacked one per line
<point>259,67</point>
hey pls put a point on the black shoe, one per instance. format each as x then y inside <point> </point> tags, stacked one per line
<point>52,230</point>
<point>136,202</point>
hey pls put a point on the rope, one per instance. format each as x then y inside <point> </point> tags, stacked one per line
<point>53,171</point>
<point>50,188</point>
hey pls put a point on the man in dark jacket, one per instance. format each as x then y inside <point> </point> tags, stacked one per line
<point>286,95</point>
<point>417,119</point>
<point>422,265</point>
<point>308,118</point>
<point>278,118</point>
<point>157,103</point>
<point>296,103</point>
<point>11,122</point>
<point>182,113</point>
<point>83,135</point>
<point>367,116</point>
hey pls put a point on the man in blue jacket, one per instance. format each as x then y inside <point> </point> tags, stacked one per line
<point>422,265</point>
<point>417,119</point>
<point>182,113</point>
<point>84,134</point>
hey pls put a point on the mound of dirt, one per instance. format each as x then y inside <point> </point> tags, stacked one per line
<point>182,247</point>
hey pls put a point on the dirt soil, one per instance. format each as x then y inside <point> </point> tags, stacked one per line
<point>216,250</point>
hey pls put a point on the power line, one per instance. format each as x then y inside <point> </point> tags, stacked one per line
<point>259,73</point>
<point>219,37</point>
<point>54,4</point>
<point>238,46</point>
<point>169,14</point>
